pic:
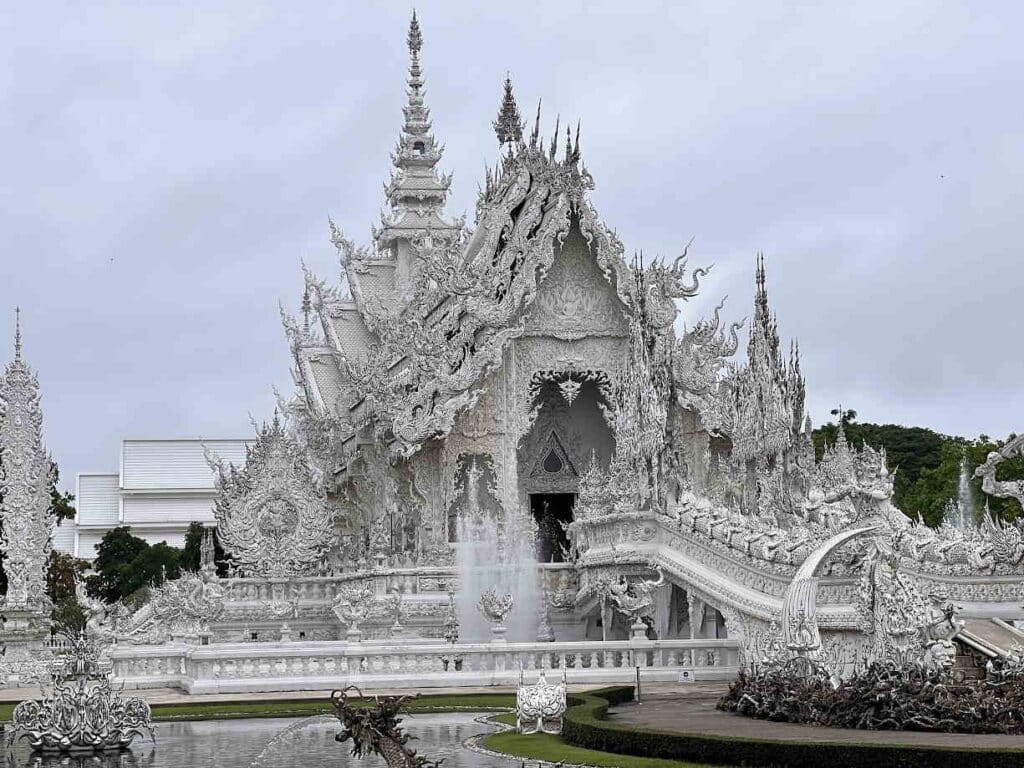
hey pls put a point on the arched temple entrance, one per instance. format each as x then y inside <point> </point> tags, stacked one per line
<point>568,433</point>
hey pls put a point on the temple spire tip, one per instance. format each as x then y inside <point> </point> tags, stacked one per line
<point>508,126</point>
<point>415,37</point>
<point>17,333</point>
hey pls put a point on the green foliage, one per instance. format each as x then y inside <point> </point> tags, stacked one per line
<point>910,450</point>
<point>191,555</point>
<point>553,750</point>
<point>61,504</point>
<point>68,615</point>
<point>1011,469</point>
<point>61,572</point>
<point>927,465</point>
<point>125,564</point>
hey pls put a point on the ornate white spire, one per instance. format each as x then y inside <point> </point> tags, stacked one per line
<point>509,125</point>
<point>26,475</point>
<point>415,191</point>
<point>770,395</point>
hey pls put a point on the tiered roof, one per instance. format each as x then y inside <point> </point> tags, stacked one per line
<point>404,369</point>
<point>415,191</point>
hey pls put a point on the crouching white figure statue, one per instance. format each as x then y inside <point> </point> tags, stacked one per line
<point>539,708</point>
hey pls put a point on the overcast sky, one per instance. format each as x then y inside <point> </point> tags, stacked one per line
<point>166,167</point>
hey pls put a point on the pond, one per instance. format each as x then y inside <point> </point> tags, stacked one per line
<point>238,743</point>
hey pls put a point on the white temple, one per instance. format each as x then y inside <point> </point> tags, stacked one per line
<point>508,410</point>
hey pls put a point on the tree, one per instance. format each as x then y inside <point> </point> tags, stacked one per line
<point>935,486</point>
<point>191,555</point>
<point>125,563</point>
<point>61,504</point>
<point>926,464</point>
<point>61,573</point>
<point>845,417</point>
<point>909,450</point>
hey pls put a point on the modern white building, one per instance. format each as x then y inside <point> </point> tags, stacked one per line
<point>161,487</point>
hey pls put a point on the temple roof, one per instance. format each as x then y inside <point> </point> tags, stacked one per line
<point>404,367</point>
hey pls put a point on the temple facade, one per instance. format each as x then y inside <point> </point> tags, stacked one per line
<point>507,422</point>
<point>524,371</point>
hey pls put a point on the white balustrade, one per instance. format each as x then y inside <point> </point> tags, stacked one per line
<point>248,667</point>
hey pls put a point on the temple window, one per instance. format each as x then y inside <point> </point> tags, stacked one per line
<point>552,463</point>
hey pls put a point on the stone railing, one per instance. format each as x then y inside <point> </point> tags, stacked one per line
<point>247,667</point>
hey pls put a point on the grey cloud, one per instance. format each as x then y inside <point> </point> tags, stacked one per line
<point>167,167</point>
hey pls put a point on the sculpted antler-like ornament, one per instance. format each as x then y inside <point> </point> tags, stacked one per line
<point>271,516</point>
<point>1004,489</point>
<point>495,608</point>
<point>375,728</point>
<point>352,606</point>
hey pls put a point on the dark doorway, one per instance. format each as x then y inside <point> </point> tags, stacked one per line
<point>551,511</point>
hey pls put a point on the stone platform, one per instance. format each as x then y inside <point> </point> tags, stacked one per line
<point>691,709</point>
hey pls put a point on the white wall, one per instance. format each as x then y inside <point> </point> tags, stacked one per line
<point>167,464</point>
<point>168,508</point>
<point>96,498</point>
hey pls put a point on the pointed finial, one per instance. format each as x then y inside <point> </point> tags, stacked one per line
<point>554,138</point>
<point>509,126</point>
<point>576,148</point>
<point>536,128</point>
<point>568,143</point>
<point>415,38</point>
<point>307,307</point>
<point>17,333</point>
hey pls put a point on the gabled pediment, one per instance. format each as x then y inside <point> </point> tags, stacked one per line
<point>553,460</point>
<point>575,299</point>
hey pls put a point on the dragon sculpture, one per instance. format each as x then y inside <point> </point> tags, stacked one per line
<point>376,728</point>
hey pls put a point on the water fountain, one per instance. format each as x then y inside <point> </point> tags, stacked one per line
<point>494,553</point>
<point>960,512</point>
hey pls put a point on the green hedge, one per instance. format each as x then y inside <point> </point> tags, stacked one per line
<point>584,725</point>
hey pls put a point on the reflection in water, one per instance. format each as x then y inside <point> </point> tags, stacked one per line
<point>236,743</point>
<point>139,758</point>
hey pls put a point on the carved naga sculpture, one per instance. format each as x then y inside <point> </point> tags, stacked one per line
<point>635,600</point>
<point>376,729</point>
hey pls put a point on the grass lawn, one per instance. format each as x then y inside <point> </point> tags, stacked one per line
<point>544,746</point>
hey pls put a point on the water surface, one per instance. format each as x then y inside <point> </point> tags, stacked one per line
<point>237,743</point>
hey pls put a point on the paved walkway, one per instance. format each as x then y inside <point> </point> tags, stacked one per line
<point>693,711</point>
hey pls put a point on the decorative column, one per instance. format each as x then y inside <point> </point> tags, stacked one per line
<point>26,476</point>
<point>695,609</point>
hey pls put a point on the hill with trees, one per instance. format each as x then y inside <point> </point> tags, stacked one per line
<point>927,464</point>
